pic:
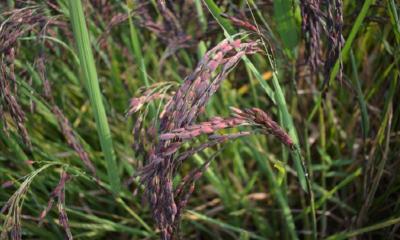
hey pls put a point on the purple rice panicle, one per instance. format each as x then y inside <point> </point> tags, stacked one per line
<point>335,39</point>
<point>192,131</point>
<point>169,30</point>
<point>12,223</point>
<point>63,122</point>
<point>177,125</point>
<point>175,37</point>
<point>316,14</point>
<point>59,193</point>
<point>72,140</point>
<point>241,22</point>
<point>148,95</point>
<point>312,29</point>
<point>103,10</point>
<point>115,21</point>
<point>258,117</point>
<point>8,96</point>
<point>64,178</point>
<point>214,140</point>
<point>187,103</point>
<point>21,21</point>
<point>17,23</point>
<point>157,91</point>
<point>11,228</point>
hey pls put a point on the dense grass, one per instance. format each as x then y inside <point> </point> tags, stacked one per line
<point>339,182</point>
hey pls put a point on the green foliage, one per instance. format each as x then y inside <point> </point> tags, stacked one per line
<point>286,25</point>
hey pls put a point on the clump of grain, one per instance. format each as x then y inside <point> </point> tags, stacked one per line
<point>322,19</point>
<point>59,193</point>
<point>335,38</point>
<point>20,21</point>
<point>312,30</point>
<point>177,125</point>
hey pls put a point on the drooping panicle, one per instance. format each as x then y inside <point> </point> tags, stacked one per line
<point>335,39</point>
<point>177,125</point>
<point>264,121</point>
<point>322,19</point>
<point>19,22</point>
<point>181,111</point>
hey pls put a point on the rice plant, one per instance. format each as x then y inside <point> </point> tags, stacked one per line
<point>199,119</point>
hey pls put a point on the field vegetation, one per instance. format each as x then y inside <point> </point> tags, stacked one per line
<point>199,119</point>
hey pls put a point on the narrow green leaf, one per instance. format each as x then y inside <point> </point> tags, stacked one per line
<point>348,235</point>
<point>360,97</point>
<point>88,68</point>
<point>136,48</point>
<point>286,25</point>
